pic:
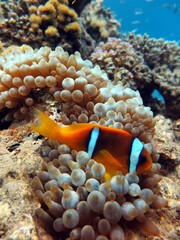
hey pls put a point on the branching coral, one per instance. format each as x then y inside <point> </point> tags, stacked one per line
<point>55,22</point>
<point>14,22</point>
<point>116,56</point>
<point>126,60</point>
<point>163,59</point>
<point>98,22</point>
<point>156,52</point>
<point>36,22</point>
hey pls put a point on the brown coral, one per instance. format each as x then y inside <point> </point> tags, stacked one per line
<point>37,22</point>
<point>130,65</point>
<point>98,22</point>
<point>162,58</point>
<point>55,22</point>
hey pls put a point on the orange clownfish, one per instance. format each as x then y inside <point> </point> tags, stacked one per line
<point>116,149</point>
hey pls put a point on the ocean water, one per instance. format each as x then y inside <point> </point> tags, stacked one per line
<point>157,18</point>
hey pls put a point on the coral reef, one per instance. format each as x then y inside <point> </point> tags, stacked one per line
<point>156,52</point>
<point>49,23</point>
<point>118,58</point>
<point>146,64</point>
<point>14,22</point>
<point>98,22</point>
<point>163,58</point>
<point>55,22</point>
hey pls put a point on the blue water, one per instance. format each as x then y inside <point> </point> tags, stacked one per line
<point>157,18</point>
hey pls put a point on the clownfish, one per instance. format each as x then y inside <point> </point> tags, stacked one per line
<point>116,149</point>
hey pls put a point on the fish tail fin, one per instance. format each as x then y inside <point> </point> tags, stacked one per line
<point>45,126</point>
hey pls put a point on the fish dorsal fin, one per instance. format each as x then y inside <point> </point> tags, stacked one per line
<point>78,126</point>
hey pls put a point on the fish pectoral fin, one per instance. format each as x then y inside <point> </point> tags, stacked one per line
<point>107,177</point>
<point>109,162</point>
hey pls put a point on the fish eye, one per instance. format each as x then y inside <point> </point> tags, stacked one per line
<point>142,160</point>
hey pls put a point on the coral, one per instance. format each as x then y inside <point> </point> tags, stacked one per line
<point>14,22</point>
<point>55,22</point>
<point>132,62</point>
<point>53,19</point>
<point>50,22</point>
<point>117,57</point>
<point>162,58</point>
<point>51,32</point>
<point>122,62</point>
<point>156,52</point>
<point>98,22</point>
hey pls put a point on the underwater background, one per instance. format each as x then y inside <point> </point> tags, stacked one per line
<point>157,18</point>
<point>111,63</point>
